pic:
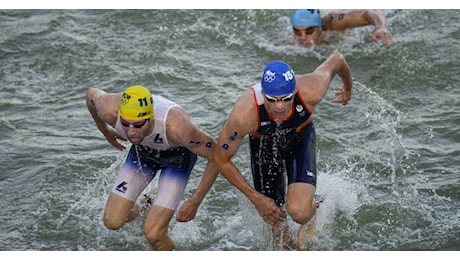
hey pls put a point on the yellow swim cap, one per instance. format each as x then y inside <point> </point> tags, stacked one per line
<point>136,103</point>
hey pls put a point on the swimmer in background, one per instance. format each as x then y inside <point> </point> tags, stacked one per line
<point>164,140</point>
<point>309,26</point>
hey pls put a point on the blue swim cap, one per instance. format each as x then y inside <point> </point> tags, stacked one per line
<point>306,17</point>
<point>278,79</point>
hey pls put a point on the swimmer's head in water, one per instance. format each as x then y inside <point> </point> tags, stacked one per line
<point>306,17</point>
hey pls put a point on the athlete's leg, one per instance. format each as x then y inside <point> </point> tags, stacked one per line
<point>282,235</point>
<point>267,173</point>
<point>156,228</point>
<point>300,202</point>
<point>120,207</point>
<point>117,211</point>
<point>144,202</point>
<point>301,169</point>
<point>301,206</point>
<point>300,199</point>
<point>171,186</point>
<point>305,233</point>
<point>269,179</point>
<point>130,183</point>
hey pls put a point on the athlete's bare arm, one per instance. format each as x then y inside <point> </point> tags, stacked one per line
<point>313,86</point>
<point>182,132</point>
<point>242,121</point>
<point>340,21</point>
<point>103,108</point>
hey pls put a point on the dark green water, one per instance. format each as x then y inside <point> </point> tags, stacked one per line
<point>388,162</point>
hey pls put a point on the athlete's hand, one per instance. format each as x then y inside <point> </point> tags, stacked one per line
<point>383,35</point>
<point>269,211</point>
<point>187,211</point>
<point>342,96</point>
<point>112,136</point>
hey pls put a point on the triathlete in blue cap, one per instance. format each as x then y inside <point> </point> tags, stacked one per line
<point>308,25</point>
<point>276,114</point>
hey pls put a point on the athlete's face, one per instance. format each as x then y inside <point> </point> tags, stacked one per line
<point>306,36</point>
<point>136,130</point>
<point>279,107</point>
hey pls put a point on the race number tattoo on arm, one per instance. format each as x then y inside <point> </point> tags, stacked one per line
<point>207,145</point>
<point>194,142</point>
<point>231,138</point>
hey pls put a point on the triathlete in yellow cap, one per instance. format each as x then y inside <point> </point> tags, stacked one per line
<point>164,140</point>
<point>136,103</point>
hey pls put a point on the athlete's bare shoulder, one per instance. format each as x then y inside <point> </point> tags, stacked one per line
<point>105,104</point>
<point>244,115</point>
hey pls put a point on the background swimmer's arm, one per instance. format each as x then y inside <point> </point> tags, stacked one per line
<point>340,21</point>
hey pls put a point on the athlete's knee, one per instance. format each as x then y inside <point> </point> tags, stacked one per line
<point>113,222</point>
<point>154,239</point>
<point>301,214</point>
<point>158,240</point>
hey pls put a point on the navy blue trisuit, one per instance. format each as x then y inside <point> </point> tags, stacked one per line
<point>285,147</point>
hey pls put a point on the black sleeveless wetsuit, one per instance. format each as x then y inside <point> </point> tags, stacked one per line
<point>289,146</point>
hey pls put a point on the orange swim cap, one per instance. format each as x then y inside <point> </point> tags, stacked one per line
<point>136,103</point>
